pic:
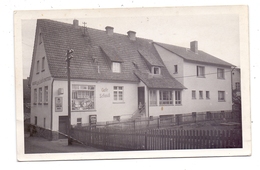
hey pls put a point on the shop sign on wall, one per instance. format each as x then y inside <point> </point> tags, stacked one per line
<point>104,93</point>
<point>58,104</point>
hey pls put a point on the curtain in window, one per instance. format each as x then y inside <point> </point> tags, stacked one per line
<point>153,98</point>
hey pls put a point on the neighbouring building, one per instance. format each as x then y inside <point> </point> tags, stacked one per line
<point>236,79</point>
<point>236,86</point>
<point>116,76</point>
<point>207,78</point>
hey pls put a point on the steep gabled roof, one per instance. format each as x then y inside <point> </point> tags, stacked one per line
<point>150,58</point>
<point>94,49</point>
<point>189,55</point>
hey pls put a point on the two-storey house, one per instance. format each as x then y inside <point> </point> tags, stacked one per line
<point>113,77</point>
<point>207,78</point>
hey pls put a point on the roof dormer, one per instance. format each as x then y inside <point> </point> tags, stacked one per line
<point>152,62</point>
<point>113,58</point>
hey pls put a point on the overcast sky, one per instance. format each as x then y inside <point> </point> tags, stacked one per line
<point>217,34</point>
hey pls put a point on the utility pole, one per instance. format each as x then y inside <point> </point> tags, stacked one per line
<point>68,58</point>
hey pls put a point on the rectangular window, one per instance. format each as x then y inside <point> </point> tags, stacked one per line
<point>35,120</point>
<point>40,38</point>
<point>175,69</point>
<point>46,95</point>
<point>177,97</point>
<point>220,73</point>
<point>207,95</point>
<point>153,97</point>
<point>166,98</point>
<point>116,118</point>
<point>79,122</point>
<point>43,63</point>
<point>200,71</point>
<point>237,86</point>
<point>35,97</point>
<point>155,70</point>
<point>118,93</point>
<point>38,67</point>
<point>221,96</point>
<point>40,95</point>
<point>83,97</point>
<point>201,94</point>
<point>193,94</point>
<point>116,67</point>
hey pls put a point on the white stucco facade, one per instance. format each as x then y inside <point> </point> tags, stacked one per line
<point>105,107</point>
<point>210,83</point>
<point>40,79</point>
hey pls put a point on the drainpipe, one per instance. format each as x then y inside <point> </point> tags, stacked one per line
<point>51,107</point>
<point>148,104</point>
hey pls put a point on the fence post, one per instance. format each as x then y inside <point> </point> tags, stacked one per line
<point>134,124</point>
<point>158,122</point>
<point>145,142</point>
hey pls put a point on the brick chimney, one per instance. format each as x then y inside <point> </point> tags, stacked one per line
<point>109,30</point>
<point>194,46</point>
<point>75,23</point>
<point>131,35</point>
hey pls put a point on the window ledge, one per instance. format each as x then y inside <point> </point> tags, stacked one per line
<point>39,103</point>
<point>83,110</point>
<point>221,78</point>
<point>222,101</point>
<point>166,105</point>
<point>122,102</point>
<point>201,76</point>
<point>45,103</point>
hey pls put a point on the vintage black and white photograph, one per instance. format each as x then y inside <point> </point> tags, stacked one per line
<point>148,82</point>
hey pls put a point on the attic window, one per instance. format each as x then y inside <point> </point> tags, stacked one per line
<point>38,67</point>
<point>40,38</point>
<point>116,67</point>
<point>156,70</point>
<point>43,64</point>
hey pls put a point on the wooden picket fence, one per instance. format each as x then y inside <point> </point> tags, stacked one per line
<point>158,139</point>
<point>170,120</point>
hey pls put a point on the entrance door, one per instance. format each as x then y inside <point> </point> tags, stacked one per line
<point>63,126</point>
<point>140,95</point>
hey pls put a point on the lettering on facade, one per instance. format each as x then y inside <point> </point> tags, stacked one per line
<point>58,104</point>
<point>104,93</point>
<point>41,81</point>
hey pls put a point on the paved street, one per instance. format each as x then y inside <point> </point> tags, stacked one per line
<point>41,145</point>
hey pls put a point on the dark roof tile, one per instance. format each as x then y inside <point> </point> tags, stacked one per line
<point>90,50</point>
<point>188,55</point>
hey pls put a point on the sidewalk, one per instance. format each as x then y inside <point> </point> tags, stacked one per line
<point>41,145</point>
